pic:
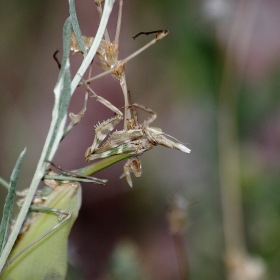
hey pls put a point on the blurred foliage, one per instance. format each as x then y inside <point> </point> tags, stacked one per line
<point>124,263</point>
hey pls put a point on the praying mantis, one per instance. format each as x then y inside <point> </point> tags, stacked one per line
<point>135,138</point>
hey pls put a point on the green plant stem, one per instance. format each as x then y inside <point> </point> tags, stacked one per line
<point>93,168</point>
<point>4,183</point>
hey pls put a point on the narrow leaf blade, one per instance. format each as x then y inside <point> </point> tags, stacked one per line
<point>9,202</point>
<point>76,27</point>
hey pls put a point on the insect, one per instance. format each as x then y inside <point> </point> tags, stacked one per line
<point>126,141</point>
<point>135,140</point>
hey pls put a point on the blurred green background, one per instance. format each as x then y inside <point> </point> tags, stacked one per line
<point>214,84</point>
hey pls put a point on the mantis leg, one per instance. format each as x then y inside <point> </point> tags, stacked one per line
<point>132,165</point>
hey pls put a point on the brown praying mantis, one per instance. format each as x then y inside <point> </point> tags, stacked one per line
<point>134,139</point>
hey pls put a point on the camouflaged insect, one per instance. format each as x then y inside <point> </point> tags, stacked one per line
<point>134,141</point>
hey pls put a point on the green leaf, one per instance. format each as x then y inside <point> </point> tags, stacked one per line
<point>62,93</point>
<point>102,164</point>
<point>76,27</point>
<point>47,258</point>
<point>9,202</point>
<point>4,183</point>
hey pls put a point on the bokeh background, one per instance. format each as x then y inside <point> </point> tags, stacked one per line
<point>214,84</point>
